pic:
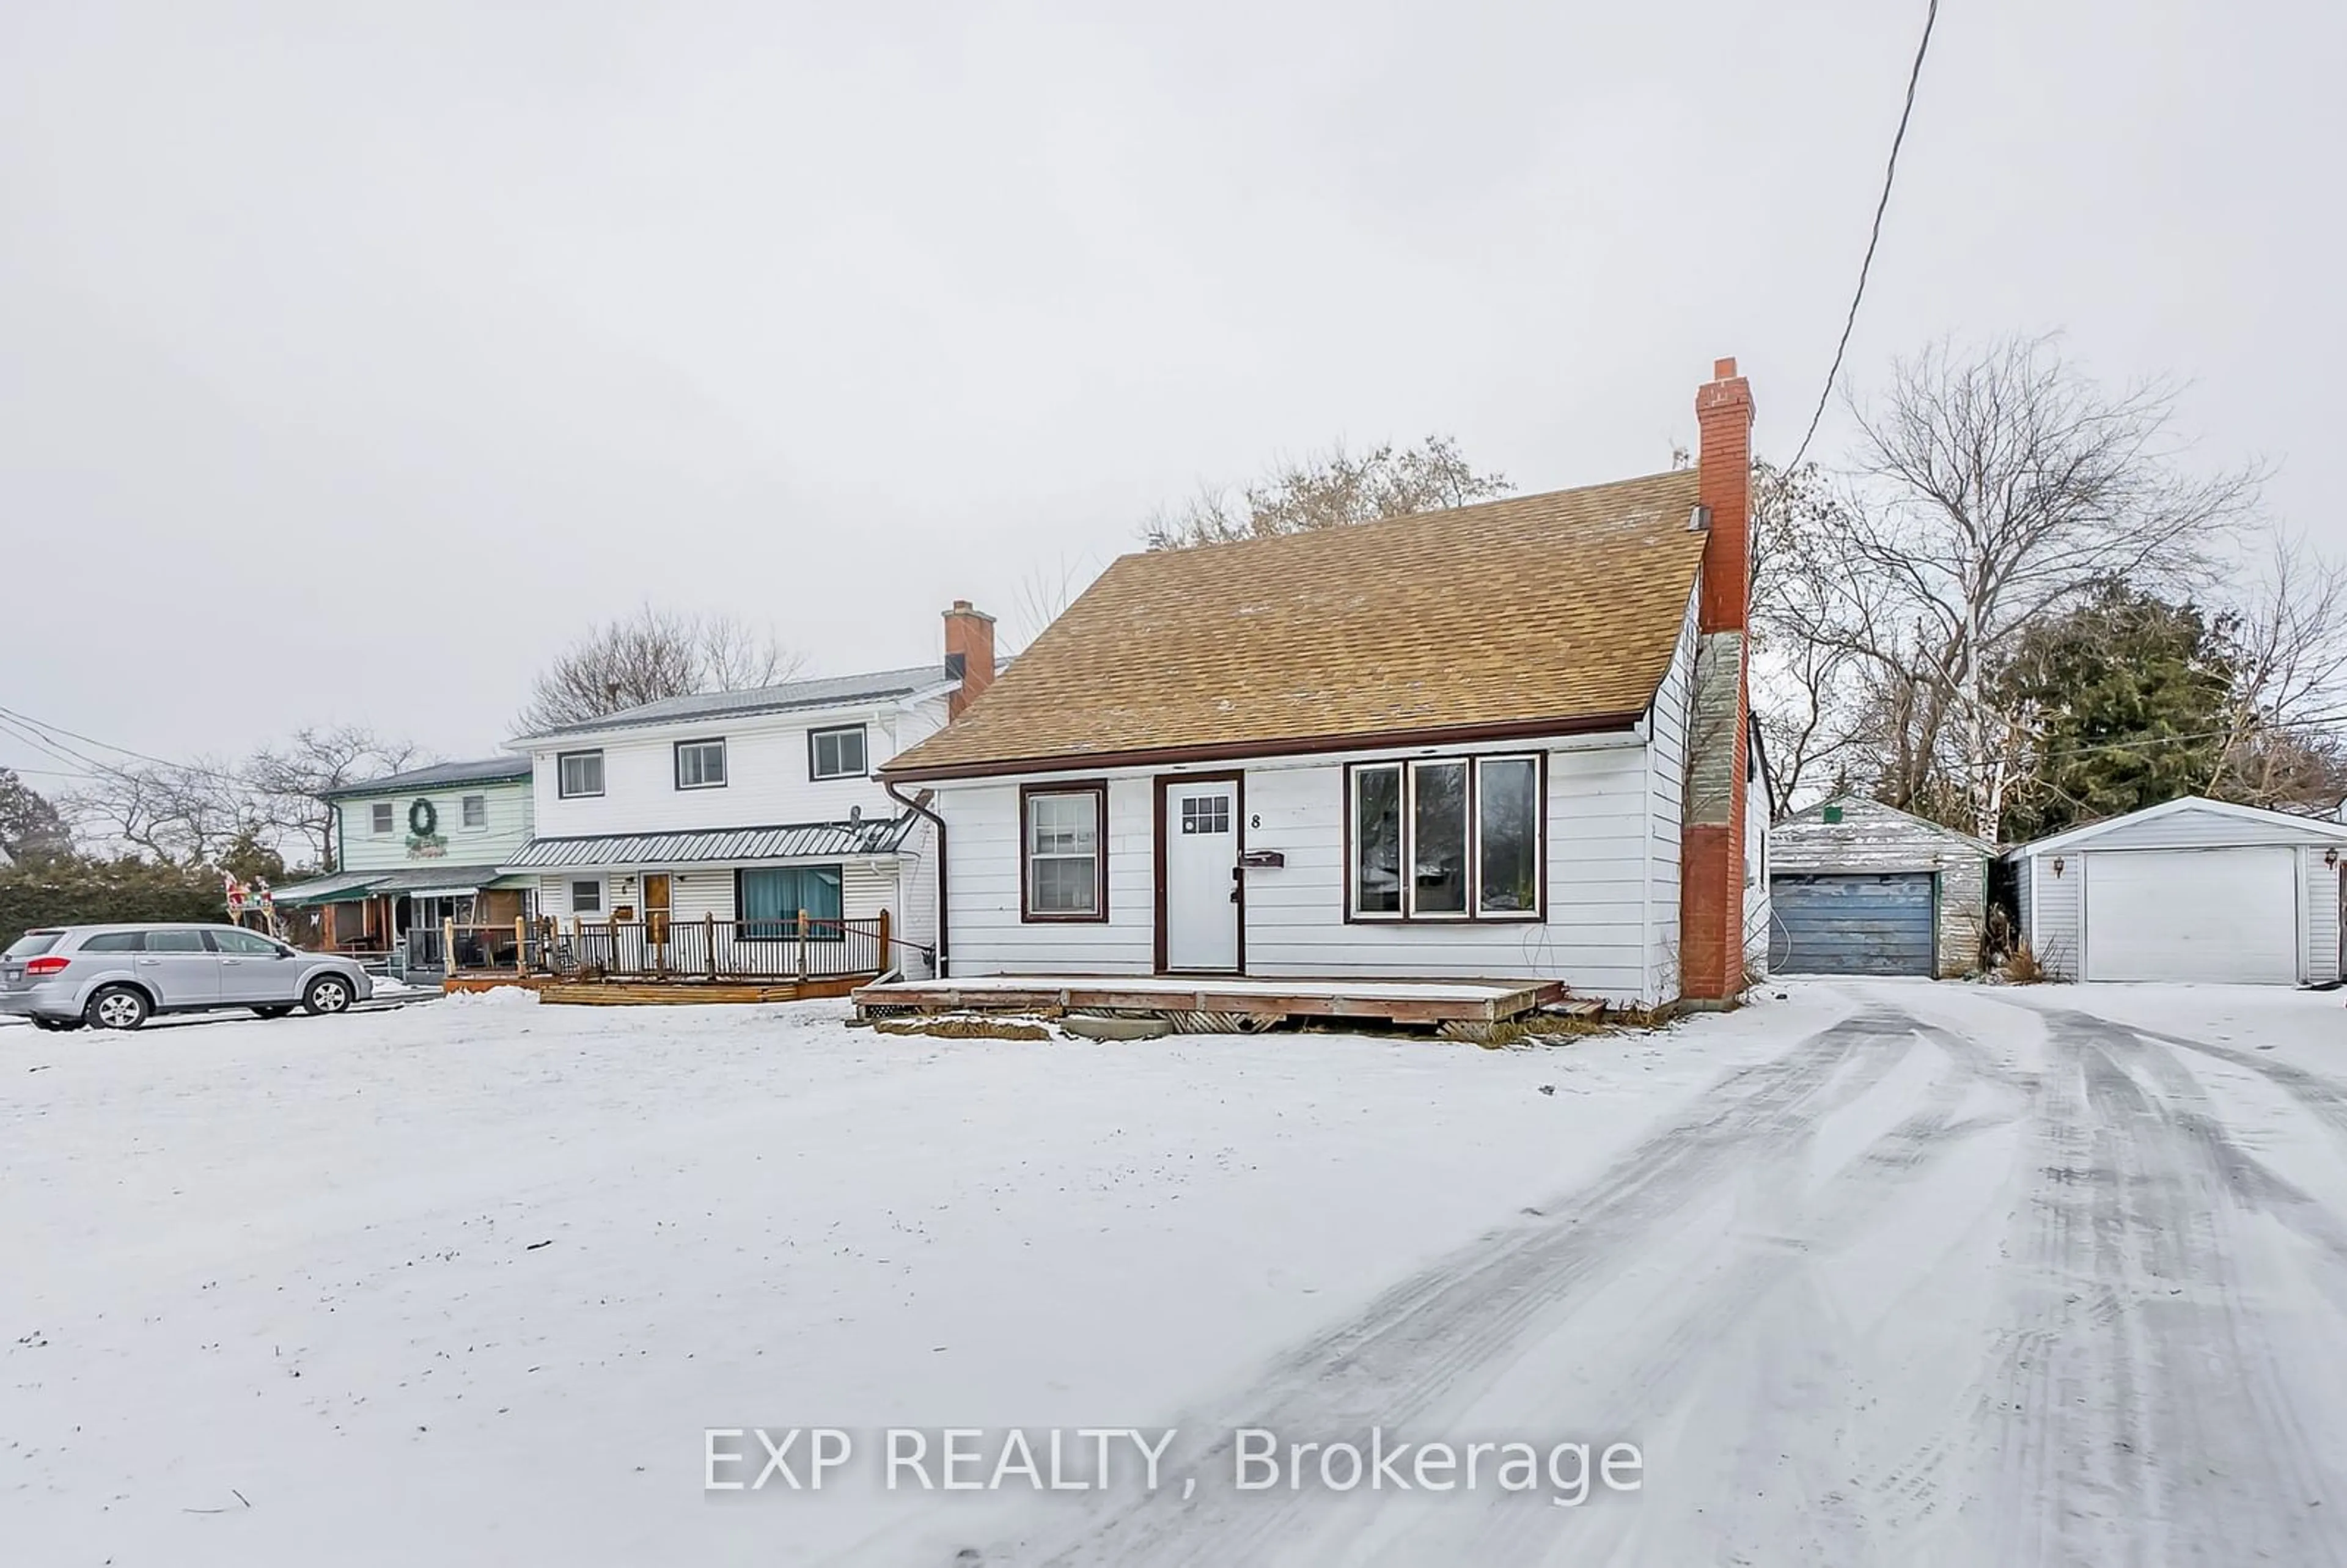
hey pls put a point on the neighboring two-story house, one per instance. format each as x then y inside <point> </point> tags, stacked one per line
<point>417,848</point>
<point>750,808</point>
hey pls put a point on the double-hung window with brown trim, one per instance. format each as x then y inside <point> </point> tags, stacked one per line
<point>1063,852</point>
<point>1446,838</point>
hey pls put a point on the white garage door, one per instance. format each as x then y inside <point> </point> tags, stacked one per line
<point>2193,915</point>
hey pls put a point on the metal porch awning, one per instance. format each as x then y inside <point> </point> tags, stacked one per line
<point>716,845</point>
<point>348,887</point>
<point>438,881</point>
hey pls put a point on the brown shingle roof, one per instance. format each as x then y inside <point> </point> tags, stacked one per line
<point>1556,611</point>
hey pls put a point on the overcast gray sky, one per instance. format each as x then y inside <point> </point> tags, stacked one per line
<point>353,358</point>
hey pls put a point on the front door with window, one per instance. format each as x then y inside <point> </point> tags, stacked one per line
<point>656,908</point>
<point>1201,873</point>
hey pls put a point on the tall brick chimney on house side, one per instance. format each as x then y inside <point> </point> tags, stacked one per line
<point>970,654</point>
<point>1711,846</point>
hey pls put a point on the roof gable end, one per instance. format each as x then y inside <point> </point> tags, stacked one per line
<point>2283,826</point>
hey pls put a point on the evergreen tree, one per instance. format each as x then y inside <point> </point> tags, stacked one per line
<point>30,828</point>
<point>2127,697</point>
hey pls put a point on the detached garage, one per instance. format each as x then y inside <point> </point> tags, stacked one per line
<point>2192,890</point>
<point>1857,887</point>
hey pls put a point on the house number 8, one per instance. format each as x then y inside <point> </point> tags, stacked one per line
<point>1256,821</point>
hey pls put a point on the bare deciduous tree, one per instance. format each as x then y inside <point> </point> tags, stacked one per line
<point>1806,687</point>
<point>650,655</point>
<point>1993,489</point>
<point>287,781</point>
<point>204,813</point>
<point>1045,593</point>
<point>1328,489</point>
<point>188,815</point>
<point>2287,637</point>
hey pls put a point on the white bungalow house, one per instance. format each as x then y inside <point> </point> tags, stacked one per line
<point>733,814</point>
<point>417,848</point>
<point>1507,742</point>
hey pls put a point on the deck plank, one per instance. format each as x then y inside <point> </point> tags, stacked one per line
<point>1398,1001</point>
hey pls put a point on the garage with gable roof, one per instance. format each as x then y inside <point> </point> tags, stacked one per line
<point>1858,888</point>
<point>2193,889</point>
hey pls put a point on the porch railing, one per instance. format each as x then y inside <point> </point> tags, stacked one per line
<point>800,947</point>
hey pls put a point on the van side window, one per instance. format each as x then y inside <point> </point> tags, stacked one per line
<point>243,944</point>
<point>112,942</point>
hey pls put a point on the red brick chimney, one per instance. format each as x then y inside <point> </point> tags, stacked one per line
<point>1711,847</point>
<point>1723,412</point>
<point>970,654</point>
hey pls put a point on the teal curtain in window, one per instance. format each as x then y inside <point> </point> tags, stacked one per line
<point>771,897</point>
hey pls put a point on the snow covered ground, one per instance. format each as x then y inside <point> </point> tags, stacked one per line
<point>1882,1273</point>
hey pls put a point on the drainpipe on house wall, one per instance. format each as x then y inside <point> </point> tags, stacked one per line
<point>944,918</point>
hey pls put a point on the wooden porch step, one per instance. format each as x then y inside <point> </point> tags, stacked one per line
<point>1260,1003</point>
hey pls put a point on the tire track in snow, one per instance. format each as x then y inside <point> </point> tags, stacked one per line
<point>1820,1505</point>
<point>1456,1326</point>
<point>2148,1409</point>
<point>2324,1097</point>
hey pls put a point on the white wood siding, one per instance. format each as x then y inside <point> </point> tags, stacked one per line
<point>700,891</point>
<point>868,886</point>
<point>982,849</point>
<point>2323,893</point>
<point>506,829</point>
<point>554,895</point>
<point>1759,913</point>
<point>1603,852</point>
<point>1662,763</point>
<point>916,895</point>
<point>1598,865</point>
<point>2050,914</point>
<point>2192,829</point>
<point>766,775</point>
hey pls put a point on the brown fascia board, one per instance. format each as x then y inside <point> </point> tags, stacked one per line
<point>1304,745</point>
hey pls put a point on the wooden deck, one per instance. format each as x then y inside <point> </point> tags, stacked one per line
<point>658,993</point>
<point>1259,1003</point>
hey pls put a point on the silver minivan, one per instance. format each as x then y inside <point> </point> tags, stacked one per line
<point>119,977</point>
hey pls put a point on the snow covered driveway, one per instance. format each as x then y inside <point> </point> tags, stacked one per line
<point>1884,1273</point>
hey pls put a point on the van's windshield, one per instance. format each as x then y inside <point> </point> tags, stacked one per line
<point>32,945</point>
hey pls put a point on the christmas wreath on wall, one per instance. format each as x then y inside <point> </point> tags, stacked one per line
<point>423,819</point>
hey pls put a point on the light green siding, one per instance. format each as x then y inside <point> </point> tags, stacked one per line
<point>506,829</point>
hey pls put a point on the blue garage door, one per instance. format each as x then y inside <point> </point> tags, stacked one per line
<point>1851,924</point>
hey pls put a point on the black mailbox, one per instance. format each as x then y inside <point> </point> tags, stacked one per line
<point>1262,858</point>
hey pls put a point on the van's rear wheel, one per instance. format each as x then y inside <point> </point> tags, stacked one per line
<point>327,994</point>
<point>116,1007</point>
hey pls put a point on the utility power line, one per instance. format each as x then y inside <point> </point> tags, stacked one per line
<point>1873,237</point>
<point>43,735</point>
<point>2311,721</point>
